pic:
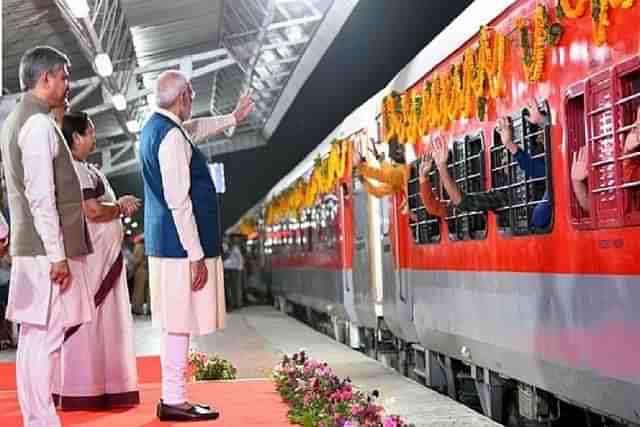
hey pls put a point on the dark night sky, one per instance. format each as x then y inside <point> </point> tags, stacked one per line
<point>379,38</point>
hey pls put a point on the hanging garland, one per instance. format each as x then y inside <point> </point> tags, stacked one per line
<point>456,95</point>
<point>599,14</point>
<point>468,65</point>
<point>303,194</point>
<point>533,50</point>
<point>600,18</point>
<point>624,4</point>
<point>496,81</point>
<point>572,12</point>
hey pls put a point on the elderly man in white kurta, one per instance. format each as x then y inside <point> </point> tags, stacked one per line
<point>182,234</point>
<point>49,239</point>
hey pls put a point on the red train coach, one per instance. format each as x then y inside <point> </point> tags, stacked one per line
<point>536,319</point>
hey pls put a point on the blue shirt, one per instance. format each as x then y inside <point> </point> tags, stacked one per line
<point>536,168</point>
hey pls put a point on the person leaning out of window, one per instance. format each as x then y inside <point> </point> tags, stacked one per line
<point>630,170</point>
<point>490,200</point>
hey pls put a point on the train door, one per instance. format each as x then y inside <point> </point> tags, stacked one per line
<point>363,279</point>
<point>347,248</point>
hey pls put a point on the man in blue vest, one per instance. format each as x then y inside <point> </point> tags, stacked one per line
<point>182,238</point>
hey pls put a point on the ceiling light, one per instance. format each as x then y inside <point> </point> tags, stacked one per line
<point>119,102</point>
<point>79,8</point>
<point>103,65</point>
<point>269,56</point>
<point>133,126</point>
<point>294,33</point>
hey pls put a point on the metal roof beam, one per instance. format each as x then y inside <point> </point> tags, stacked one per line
<point>113,169</point>
<point>238,142</point>
<point>293,22</point>
<point>159,66</point>
<point>276,26</point>
<point>85,93</point>
<point>303,40</point>
<point>215,66</point>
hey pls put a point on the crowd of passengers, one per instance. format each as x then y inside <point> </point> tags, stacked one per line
<point>391,176</point>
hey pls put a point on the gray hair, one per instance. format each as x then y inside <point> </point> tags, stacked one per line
<point>37,61</point>
<point>169,86</point>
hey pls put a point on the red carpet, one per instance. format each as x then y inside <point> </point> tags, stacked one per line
<point>148,372</point>
<point>241,403</point>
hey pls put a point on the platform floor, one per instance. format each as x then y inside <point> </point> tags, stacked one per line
<point>257,337</point>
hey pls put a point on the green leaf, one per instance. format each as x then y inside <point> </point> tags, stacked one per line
<point>559,11</point>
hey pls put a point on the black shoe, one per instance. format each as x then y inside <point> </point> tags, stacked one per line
<point>194,413</point>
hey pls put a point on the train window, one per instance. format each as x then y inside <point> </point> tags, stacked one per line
<point>425,228</point>
<point>610,194</point>
<point>524,178</point>
<point>576,139</point>
<point>466,167</point>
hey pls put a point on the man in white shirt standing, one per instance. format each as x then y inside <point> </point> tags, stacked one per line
<point>49,239</point>
<point>234,266</point>
<point>182,234</point>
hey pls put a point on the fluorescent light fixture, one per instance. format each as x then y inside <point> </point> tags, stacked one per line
<point>79,8</point>
<point>103,64</point>
<point>294,33</point>
<point>119,102</point>
<point>269,56</point>
<point>133,126</point>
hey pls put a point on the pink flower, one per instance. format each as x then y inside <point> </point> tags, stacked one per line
<point>392,421</point>
<point>355,409</point>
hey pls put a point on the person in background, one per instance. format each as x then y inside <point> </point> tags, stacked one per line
<point>140,298</point>
<point>130,264</point>
<point>234,267</point>
<point>106,375</point>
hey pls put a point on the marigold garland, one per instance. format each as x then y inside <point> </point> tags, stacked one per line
<point>600,18</point>
<point>573,12</point>
<point>533,50</point>
<point>624,4</point>
<point>496,81</point>
<point>303,194</point>
<point>599,14</point>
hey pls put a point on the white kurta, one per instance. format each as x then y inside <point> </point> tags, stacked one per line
<point>34,301</point>
<point>174,306</point>
<point>30,290</point>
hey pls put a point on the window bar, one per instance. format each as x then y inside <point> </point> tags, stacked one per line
<point>616,89</point>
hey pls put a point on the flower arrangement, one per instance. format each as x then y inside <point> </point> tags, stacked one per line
<point>318,398</point>
<point>203,367</point>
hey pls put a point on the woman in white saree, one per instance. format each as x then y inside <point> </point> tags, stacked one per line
<point>98,364</point>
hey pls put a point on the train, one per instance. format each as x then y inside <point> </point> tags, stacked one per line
<point>534,327</point>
